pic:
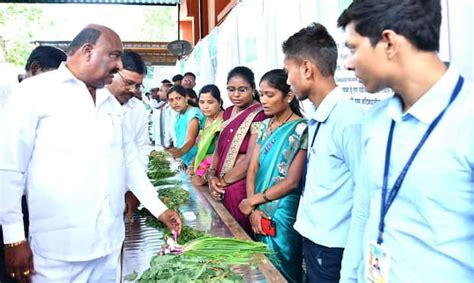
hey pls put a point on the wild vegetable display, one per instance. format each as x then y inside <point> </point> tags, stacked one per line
<point>193,256</point>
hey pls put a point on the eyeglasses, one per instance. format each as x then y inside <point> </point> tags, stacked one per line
<point>189,80</point>
<point>128,83</point>
<point>240,89</point>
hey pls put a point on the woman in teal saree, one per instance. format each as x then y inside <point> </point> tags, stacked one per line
<point>274,174</point>
<point>186,126</point>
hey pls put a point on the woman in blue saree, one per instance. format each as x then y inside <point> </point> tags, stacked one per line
<point>274,174</point>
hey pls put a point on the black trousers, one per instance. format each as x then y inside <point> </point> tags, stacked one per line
<point>323,264</point>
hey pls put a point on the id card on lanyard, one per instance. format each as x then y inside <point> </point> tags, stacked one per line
<point>376,250</point>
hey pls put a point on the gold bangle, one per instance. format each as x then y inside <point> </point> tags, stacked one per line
<point>11,245</point>
<point>265,196</point>
<point>225,182</point>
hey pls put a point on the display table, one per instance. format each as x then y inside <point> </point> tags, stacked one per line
<point>203,213</point>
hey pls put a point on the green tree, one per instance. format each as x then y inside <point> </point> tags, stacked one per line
<point>18,25</point>
<point>160,24</point>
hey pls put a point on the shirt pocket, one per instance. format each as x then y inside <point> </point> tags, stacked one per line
<point>109,128</point>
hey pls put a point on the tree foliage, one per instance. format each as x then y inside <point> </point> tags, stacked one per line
<point>18,25</point>
<point>161,24</point>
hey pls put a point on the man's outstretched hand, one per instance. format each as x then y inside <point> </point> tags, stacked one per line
<point>171,220</point>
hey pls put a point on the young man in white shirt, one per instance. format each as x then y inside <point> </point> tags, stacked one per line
<point>415,220</point>
<point>325,207</point>
<point>63,141</point>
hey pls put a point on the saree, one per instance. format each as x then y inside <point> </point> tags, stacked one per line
<point>205,146</point>
<point>277,151</point>
<point>181,128</point>
<point>234,140</point>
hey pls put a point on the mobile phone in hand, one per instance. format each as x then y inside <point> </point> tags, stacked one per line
<point>268,227</point>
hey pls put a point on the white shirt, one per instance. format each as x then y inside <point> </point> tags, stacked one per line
<point>429,228</point>
<point>137,118</point>
<point>163,121</point>
<point>77,161</point>
<point>325,207</point>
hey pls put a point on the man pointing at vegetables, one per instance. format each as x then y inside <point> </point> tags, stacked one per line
<point>62,136</point>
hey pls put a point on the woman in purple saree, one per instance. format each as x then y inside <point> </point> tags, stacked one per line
<point>236,143</point>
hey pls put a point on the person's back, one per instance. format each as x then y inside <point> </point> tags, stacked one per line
<point>418,149</point>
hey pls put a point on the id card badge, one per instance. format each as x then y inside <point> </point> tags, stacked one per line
<point>377,263</point>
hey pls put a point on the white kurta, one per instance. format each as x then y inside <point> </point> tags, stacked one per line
<point>77,161</point>
<point>163,121</point>
<point>136,118</point>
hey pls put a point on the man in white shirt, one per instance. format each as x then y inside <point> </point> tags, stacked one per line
<point>416,213</point>
<point>124,86</point>
<point>65,141</point>
<point>325,207</point>
<point>42,59</point>
<point>164,118</point>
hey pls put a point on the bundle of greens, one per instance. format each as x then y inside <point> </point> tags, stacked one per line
<point>173,197</point>
<point>188,269</point>
<point>167,182</point>
<point>159,167</point>
<point>226,250</point>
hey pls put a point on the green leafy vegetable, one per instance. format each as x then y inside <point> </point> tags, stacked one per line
<point>188,269</point>
<point>228,250</point>
<point>131,277</point>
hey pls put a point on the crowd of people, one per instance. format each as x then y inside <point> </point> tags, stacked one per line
<point>316,187</point>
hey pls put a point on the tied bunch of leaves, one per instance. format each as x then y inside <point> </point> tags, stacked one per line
<point>187,233</point>
<point>173,197</point>
<point>188,269</point>
<point>159,167</point>
<point>227,250</point>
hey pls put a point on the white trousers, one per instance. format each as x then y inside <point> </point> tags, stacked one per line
<point>103,269</point>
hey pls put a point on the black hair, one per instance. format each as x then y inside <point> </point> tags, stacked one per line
<point>87,35</point>
<point>178,89</point>
<point>177,77</point>
<point>214,91</point>
<point>189,74</point>
<point>419,21</point>
<point>246,74</point>
<point>165,81</point>
<point>192,97</point>
<point>313,43</point>
<point>133,62</point>
<point>48,57</point>
<point>277,79</point>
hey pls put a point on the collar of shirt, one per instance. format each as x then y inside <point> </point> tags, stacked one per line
<point>64,75</point>
<point>162,104</point>
<point>429,105</point>
<point>327,105</point>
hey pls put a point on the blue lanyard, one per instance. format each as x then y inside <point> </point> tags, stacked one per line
<point>305,167</point>
<point>315,133</point>
<point>386,203</point>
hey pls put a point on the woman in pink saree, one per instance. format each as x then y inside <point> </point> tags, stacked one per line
<point>231,159</point>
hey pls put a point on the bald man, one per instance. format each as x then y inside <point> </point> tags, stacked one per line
<point>63,138</point>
